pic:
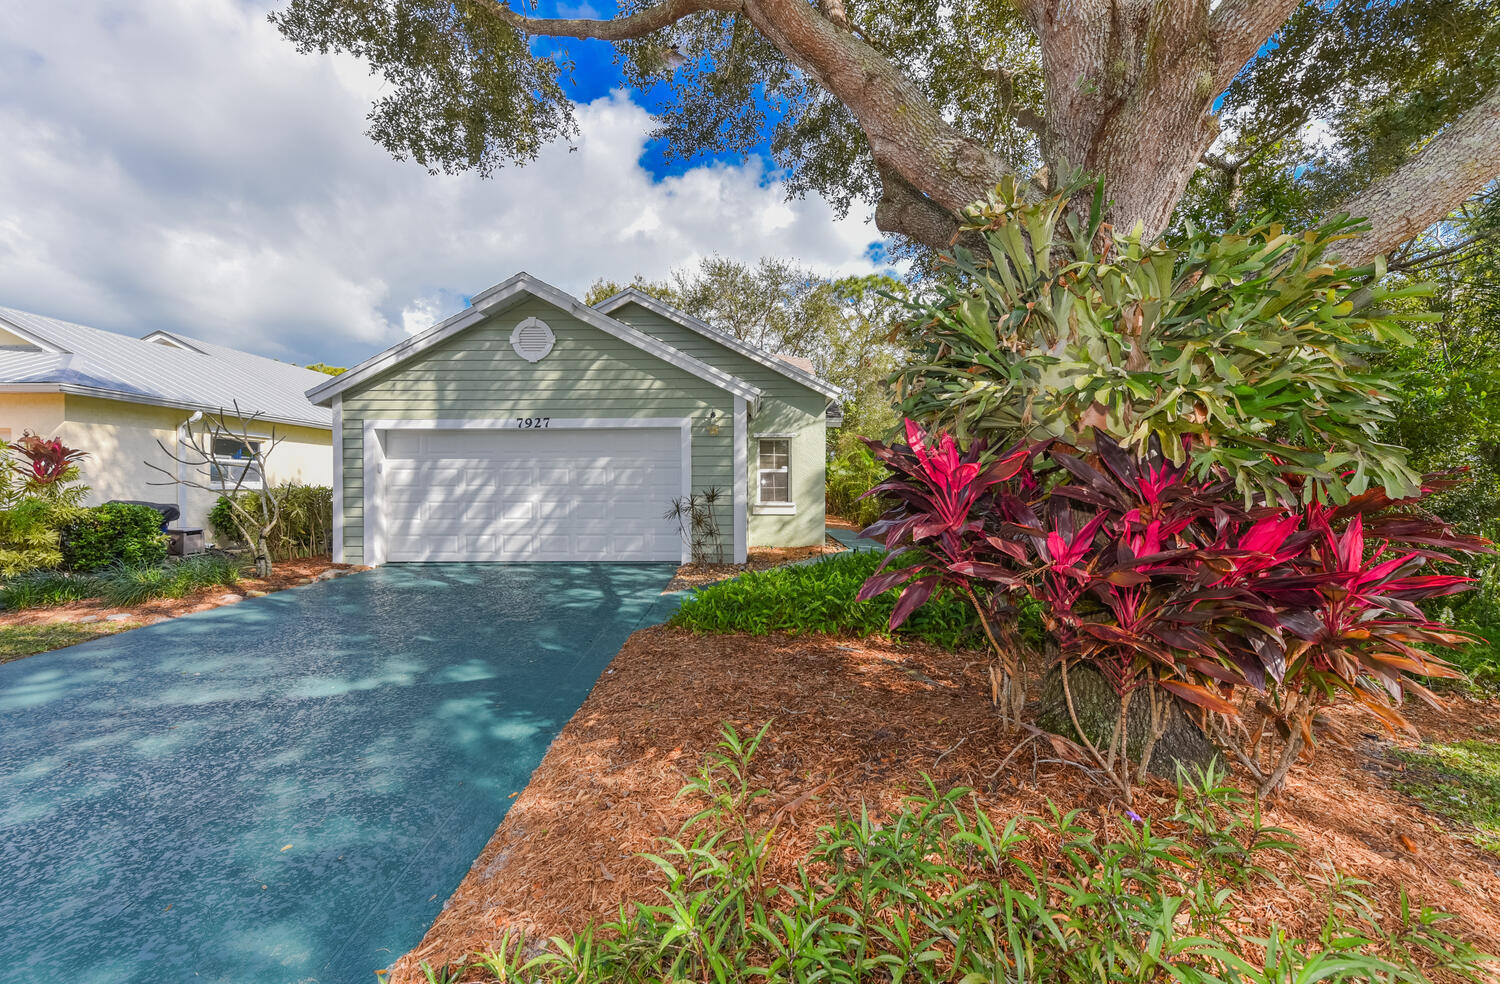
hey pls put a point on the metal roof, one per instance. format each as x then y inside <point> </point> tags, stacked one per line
<point>200,375</point>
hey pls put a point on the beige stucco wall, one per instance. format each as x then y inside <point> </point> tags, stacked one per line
<point>121,438</point>
<point>40,413</point>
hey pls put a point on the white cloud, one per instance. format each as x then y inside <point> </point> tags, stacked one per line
<point>176,164</point>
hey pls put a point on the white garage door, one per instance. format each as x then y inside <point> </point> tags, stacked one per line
<point>528,495</point>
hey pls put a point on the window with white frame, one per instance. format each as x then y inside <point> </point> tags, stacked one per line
<point>233,462</point>
<point>775,469</point>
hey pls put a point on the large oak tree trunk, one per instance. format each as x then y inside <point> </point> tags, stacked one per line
<point>1182,745</point>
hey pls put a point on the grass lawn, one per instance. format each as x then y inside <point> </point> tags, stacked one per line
<point>1460,781</point>
<point>27,640</point>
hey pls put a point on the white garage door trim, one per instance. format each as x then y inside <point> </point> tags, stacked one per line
<point>374,459</point>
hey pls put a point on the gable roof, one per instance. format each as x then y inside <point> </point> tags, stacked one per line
<point>506,294</point>
<point>781,364</point>
<point>59,356</point>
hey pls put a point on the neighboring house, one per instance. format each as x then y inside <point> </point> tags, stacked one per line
<point>116,397</point>
<point>530,426</point>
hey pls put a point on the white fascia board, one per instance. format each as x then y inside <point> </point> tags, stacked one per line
<point>634,295</point>
<point>101,393</point>
<point>497,298</point>
<point>158,336</point>
<point>44,344</point>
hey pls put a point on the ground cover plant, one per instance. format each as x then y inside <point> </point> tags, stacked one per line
<point>17,641</point>
<point>1458,780</point>
<point>46,588</point>
<point>822,597</point>
<point>120,584</point>
<point>127,585</point>
<point>941,891</point>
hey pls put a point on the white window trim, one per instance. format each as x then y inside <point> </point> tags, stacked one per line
<point>245,486</point>
<point>788,508</point>
<point>374,526</point>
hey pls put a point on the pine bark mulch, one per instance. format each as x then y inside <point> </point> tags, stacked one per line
<point>861,723</point>
<point>757,559</point>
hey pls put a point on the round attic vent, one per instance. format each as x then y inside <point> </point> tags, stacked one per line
<point>532,339</point>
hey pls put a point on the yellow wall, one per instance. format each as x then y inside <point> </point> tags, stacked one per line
<point>40,413</point>
<point>121,438</point>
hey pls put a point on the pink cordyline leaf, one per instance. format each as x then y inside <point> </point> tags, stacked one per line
<point>47,461</point>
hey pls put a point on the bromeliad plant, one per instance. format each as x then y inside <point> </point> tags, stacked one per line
<point>1166,584</point>
<point>1246,355</point>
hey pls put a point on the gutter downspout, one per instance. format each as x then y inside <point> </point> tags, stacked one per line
<point>182,467</point>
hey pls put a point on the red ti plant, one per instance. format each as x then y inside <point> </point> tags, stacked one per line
<point>42,461</point>
<point>942,496</point>
<point>1172,589</point>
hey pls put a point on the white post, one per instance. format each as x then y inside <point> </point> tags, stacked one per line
<point>741,481</point>
<point>338,479</point>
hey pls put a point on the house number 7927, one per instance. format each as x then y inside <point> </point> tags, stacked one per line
<point>533,422</point>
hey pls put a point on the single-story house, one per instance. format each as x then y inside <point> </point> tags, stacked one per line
<point>533,427</point>
<point>116,397</point>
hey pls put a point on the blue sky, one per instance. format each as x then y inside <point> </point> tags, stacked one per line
<point>176,164</point>
<point>595,75</point>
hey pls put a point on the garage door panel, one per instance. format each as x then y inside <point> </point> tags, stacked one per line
<point>585,495</point>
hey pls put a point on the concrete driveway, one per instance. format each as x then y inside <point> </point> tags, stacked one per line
<point>287,789</point>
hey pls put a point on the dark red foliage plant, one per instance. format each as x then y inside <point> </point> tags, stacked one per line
<point>1252,618</point>
<point>44,461</point>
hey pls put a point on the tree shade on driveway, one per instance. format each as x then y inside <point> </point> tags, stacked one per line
<point>287,789</point>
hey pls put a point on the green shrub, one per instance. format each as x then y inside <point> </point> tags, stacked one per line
<point>17,641</point>
<point>942,892</point>
<point>306,525</point>
<point>850,476</point>
<point>36,589</point>
<point>126,585</point>
<point>114,533</point>
<point>39,495</point>
<point>819,597</point>
<point>29,535</point>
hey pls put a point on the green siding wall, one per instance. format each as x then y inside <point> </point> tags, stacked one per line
<point>786,408</point>
<point>589,373</point>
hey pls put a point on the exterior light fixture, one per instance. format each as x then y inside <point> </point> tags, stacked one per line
<point>714,416</point>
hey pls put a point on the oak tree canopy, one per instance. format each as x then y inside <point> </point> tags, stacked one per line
<point>1183,108</point>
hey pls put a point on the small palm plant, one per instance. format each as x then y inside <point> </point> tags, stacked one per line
<point>698,522</point>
